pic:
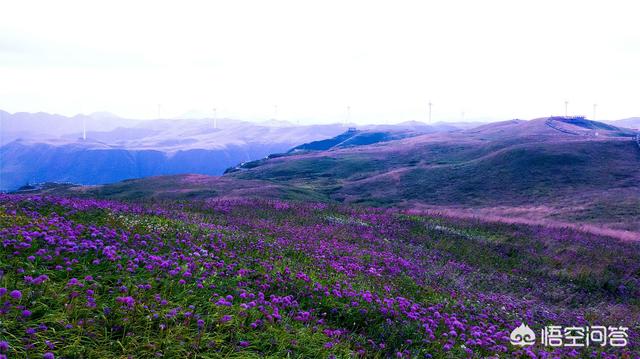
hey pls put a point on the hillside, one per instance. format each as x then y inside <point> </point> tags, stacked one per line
<point>631,122</point>
<point>269,278</point>
<point>524,169</point>
<point>97,163</point>
<point>348,139</point>
<point>509,163</point>
<point>353,138</point>
<point>527,168</point>
<point>116,149</point>
<point>179,187</point>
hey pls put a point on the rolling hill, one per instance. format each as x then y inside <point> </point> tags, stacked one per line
<point>568,170</point>
<point>631,122</point>
<point>116,149</point>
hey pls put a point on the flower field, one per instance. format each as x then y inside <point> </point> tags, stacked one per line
<point>83,278</point>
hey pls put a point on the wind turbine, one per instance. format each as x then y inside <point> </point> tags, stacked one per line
<point>430,104</point>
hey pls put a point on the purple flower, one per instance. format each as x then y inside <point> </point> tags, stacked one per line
<point>40,279</point>
<point>48,355</point>
<point>223,302</point>
<point>225,318</point>
<point>243,343</point>
<point>15,294</point>
<point>4,346</point>
<point>26,313</point>
<point>127,301</point>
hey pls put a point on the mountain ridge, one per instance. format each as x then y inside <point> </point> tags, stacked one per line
<point>116,149</point>
<point>586,176</point>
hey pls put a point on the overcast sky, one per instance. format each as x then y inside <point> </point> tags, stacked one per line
<point>386,60</point>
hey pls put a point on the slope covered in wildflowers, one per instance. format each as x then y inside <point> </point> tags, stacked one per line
<point>85,278</point>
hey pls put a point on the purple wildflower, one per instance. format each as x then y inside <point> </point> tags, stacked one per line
<point>15,294</point>
<point>129,302</point>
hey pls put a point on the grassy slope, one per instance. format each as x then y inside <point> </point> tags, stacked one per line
<point>515,164</point>
<point>472,173</point>
<point>185,187</point>
<point>500,274</point>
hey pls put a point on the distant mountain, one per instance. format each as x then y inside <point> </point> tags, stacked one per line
<point>158,147</point>
<point>508,161</point>
<point>194,115</point>
<point>103,115</point>
<point>348,139</point>
<point>44,125</point>
<point>560,167</point>
<point>277,123</point>
<point>422,127</point>
<point>49,148</point>
<point>353,138</point>
<point>460,125</point>
<point>95,163</point>
<point>632,122</point>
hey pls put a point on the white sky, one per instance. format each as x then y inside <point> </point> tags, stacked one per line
<point>490,59</point>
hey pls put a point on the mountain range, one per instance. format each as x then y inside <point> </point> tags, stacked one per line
<point>558,169</point>
<point>40,147</point>
<point>631,122</point>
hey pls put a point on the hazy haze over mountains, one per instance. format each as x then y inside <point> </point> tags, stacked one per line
<point>549,168</point>
<point>631,122</point>
<point>41,147</point>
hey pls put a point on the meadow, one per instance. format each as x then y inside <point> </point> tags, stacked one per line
<point>86,278</point>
